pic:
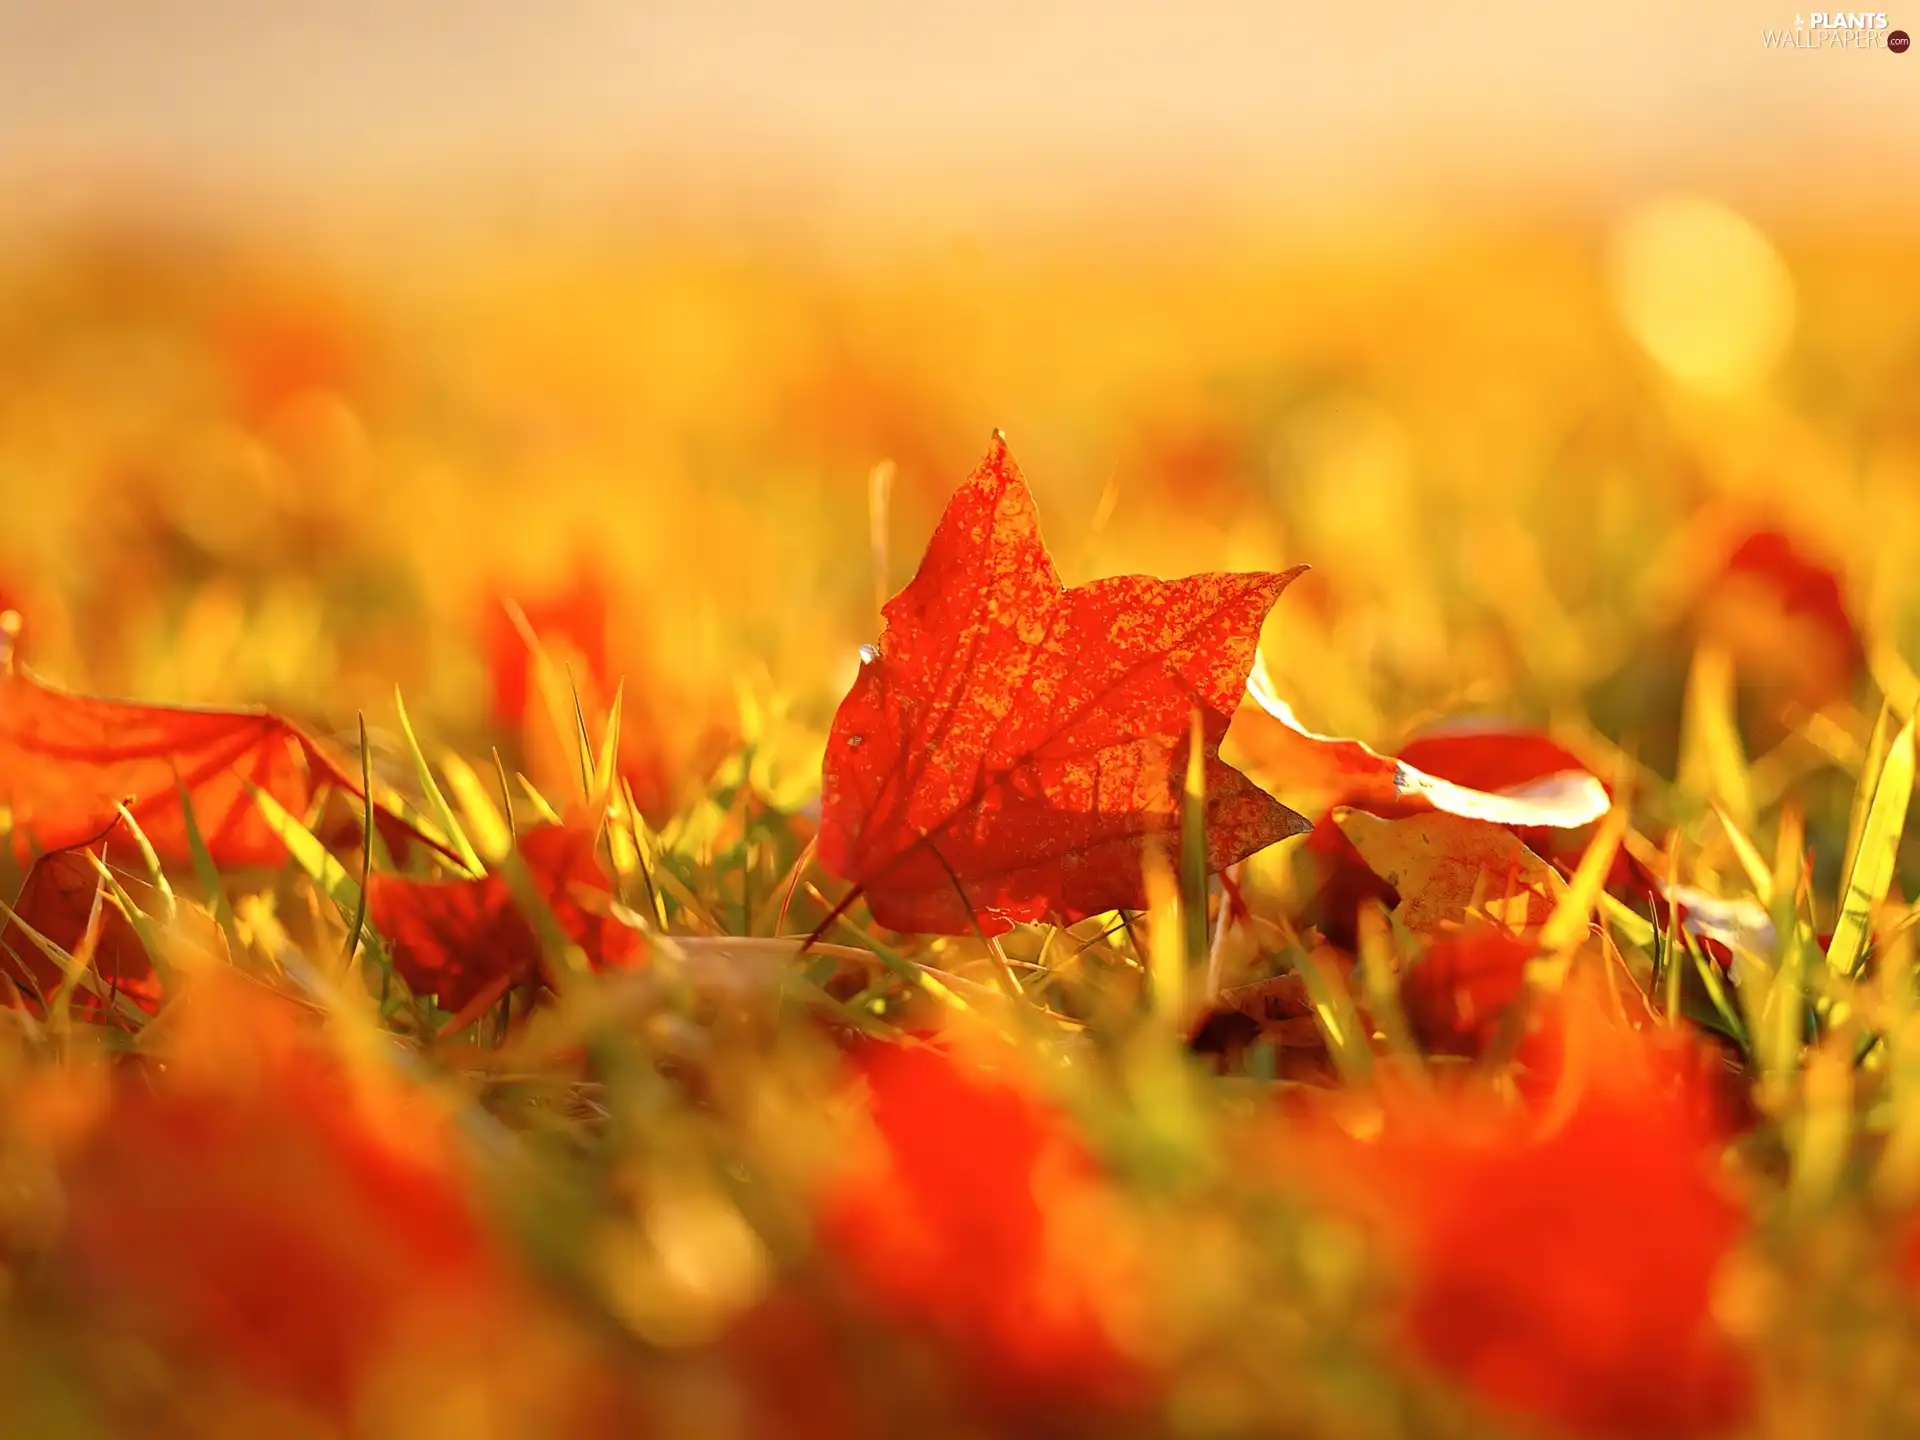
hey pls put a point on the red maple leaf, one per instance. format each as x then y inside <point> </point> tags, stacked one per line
<point>458,939</point>
<point>1012,749</point>
<point>66,762</point>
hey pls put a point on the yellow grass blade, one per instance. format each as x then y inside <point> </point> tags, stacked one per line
<point>456,835</point>
<point>1873,864</point>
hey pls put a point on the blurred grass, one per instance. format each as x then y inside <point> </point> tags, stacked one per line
<point>265,457</point>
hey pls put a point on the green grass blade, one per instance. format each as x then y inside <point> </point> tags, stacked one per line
<point>1759,874</point>
<point>1339,1018</point>
<point>322,867</point>
<point>485,824</point>
<point>156,872</point>
<point>1873,861</point>
<point>443,812</point>
<point>1193,850</point>
<point>1870,768</point>
<point>209,875</point>
<point>140,921</point>
<point>368,834</point>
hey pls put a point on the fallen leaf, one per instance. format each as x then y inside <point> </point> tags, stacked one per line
<point>67,761</point>
<point>257,1207</point>
<point>1487,772</point>
<point>456,939</point>
<point>976,1214</point>
<point>1439,863</point>
<point>1334,877</point>
<point>60,897</point>
<point>1458,991</point>
<point>1276,1010</point>
<point>1511,762</point>
<point>1560,1260</point>
<point>1012,749</point>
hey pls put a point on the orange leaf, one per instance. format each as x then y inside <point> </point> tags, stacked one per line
<point>1012,748</point>
<point>66,760</point>
<point>458,938</point>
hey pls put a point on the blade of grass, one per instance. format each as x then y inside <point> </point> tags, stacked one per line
<point>488,829</point>
<point>606,767</point>
<point>156,872</point>
<point>1638,930</point>
<point>141,922</point>
<point>1333,1007</point>
<point>1193,848</point>
<point>542,811</point>
<point>1878,743</point>
<point>209,874</point>
<point>645,859</point>
<point>1873,865</point>
<point>1748,854</point>
<point>582,739</point>
<point>367,832</point>
<point>443,812</point>
<point>1216,950</point>
<point>1714,762</point>
<point>779,900</point>
<point>1566,927</point>
<point>1671,945</point>
<point>554,696</point>
<point>1166,942</point>
<point>1896,1178</point>
<point>1709,974</point>
<point>76,968</point>
<point>325,870</point>
<point>934,982</point>
<point>1380,982</point>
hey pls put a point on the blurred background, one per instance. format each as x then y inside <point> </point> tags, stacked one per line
<point>324,328</point>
